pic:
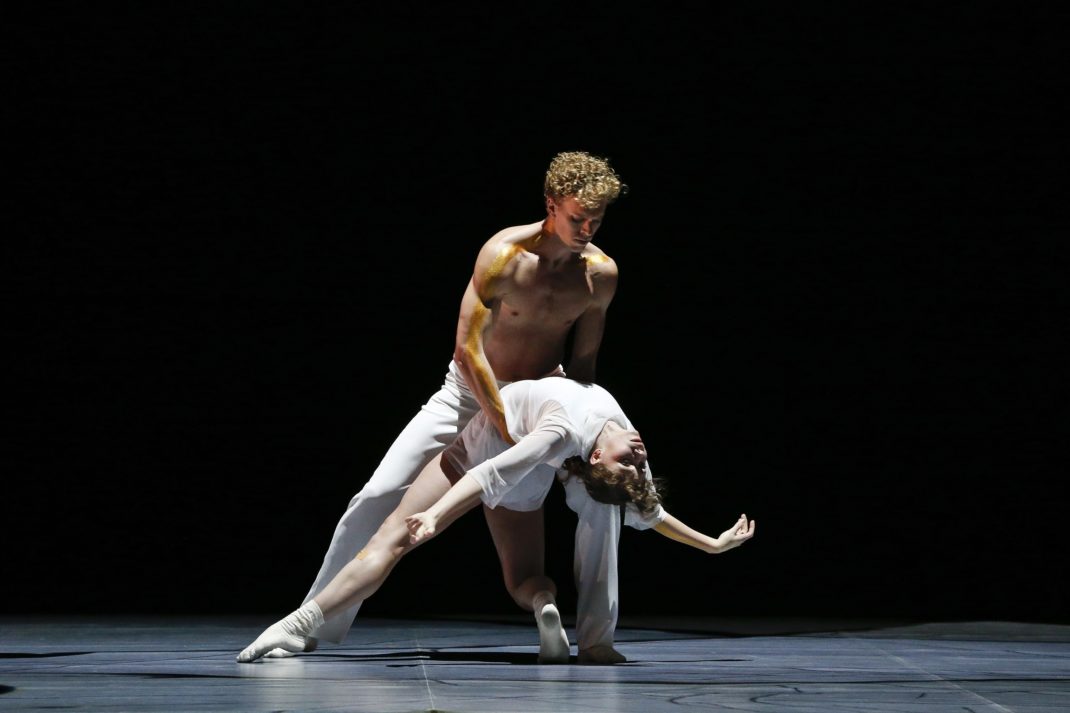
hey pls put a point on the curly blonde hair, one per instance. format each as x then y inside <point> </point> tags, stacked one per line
<point>589,179</point>
<point>605,486</point>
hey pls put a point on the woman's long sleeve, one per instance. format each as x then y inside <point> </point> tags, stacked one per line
<point>549,443</point>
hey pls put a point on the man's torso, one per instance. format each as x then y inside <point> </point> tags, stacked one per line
<point>539,305</point>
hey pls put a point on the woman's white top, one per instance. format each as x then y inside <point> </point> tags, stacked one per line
<point>550,419</point>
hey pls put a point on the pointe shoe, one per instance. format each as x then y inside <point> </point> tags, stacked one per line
<point>311,645</point>
<point>275,636</point>
<point>290,634</point>
<point>553,643</point>
<point>601,655</point>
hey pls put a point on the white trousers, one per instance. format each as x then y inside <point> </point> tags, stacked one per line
<point>438,422</point>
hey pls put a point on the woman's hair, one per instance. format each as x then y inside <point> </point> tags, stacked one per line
<point>590,179</point>
<point>605,486</point>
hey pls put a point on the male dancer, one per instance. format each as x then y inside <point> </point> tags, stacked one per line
<point>532,285</point>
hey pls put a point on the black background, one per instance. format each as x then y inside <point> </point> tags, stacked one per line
<point>239,234</point>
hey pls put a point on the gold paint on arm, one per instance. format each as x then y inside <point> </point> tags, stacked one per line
<point>473,340</point>
<point>476,318</point>
<point>485,386</point>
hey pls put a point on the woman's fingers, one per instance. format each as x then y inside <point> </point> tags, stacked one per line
<point>745,529</point>
<point>418,528</point>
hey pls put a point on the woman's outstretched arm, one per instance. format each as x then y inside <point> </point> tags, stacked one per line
<point>493,478</point>
<point>464,494</point>
<point>731,538</point>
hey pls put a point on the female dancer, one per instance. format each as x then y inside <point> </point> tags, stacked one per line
<point>556,424</point>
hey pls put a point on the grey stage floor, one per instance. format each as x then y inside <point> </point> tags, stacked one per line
<point>187,664</point>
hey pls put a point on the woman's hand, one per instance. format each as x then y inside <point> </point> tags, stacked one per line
<point>422,526</point>
<point>731,538</point>
<point>736,535</point>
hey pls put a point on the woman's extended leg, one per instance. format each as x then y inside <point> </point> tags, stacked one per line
<point>364,574</point>
<point>518,537</point>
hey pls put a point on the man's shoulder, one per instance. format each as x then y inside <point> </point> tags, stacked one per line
<point>505,246</point>
<point>514,234</point>
<point>599,261</point>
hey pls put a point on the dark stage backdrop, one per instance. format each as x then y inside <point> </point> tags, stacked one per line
<point>239,235</point>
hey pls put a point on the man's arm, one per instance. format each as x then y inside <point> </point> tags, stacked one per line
<point>475,319</point>
<point>731,538</point>
<point>589,328</point>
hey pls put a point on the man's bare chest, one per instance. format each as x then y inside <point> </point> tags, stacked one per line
<point>560,295</point>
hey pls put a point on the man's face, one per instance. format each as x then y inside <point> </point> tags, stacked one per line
<point>572,223</point>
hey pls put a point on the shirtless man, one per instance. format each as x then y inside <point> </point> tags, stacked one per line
<point>532,285</point>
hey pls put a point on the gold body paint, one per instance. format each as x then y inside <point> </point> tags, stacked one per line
<point>478,322</point>
<point>471,345</point>
<point>498,266</point>
<point>481,311</point>
<point>475,327</point>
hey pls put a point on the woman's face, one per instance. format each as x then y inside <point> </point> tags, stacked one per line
<point>621,451</point>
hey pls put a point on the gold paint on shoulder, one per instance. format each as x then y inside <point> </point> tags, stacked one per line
<point>496,268</point>
<point>501,260</point>
<point>596,259</point>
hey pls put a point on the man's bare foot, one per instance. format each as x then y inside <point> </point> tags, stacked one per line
<point>310,645</point>
<point>600,656</point>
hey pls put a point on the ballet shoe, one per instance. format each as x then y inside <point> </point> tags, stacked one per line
<point>291,634</point>
<point>553,643</point>
<point>311,645</point>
